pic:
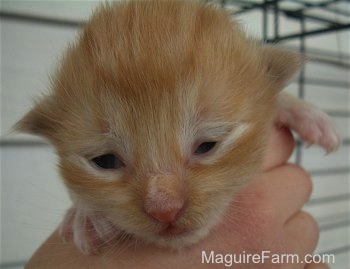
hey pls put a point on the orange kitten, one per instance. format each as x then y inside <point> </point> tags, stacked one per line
<point>159,114</point>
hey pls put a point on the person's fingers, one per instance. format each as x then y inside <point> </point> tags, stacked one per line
<point>279,149</point>
<point>279,193</point>
<point>302,233</point>
<point>316,266</point>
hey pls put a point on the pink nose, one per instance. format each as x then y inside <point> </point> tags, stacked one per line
<point>164,197</point>
<point>166,216</point>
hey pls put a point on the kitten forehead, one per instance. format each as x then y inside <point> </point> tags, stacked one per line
<point>130,49</point>
<point>125,56</point>
<point>155,85</point>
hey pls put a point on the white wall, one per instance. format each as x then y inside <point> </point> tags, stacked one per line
<point>33,199</point>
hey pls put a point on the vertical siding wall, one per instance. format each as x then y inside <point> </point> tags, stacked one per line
<point>33,199</point>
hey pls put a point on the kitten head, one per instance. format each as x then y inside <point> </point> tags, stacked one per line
<point>159,114</point>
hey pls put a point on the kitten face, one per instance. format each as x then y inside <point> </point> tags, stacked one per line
<point>159,115</point>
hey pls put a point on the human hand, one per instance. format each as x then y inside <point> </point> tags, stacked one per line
<point>265,216</point>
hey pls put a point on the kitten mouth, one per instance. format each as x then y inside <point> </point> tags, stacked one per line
<point>173,231</point>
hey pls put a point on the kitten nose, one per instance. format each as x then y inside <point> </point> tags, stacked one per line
<point>164,197</point>
<point>167,216</point>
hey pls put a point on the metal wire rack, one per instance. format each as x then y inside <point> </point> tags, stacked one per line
<point>327,17</point>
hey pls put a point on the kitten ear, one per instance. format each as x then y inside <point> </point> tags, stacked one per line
<point>281,64</point>
<point>41,120</point>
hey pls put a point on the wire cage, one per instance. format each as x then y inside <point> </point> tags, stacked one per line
<point>325,19</point>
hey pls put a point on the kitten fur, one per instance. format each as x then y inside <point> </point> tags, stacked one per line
<point>149,81</point>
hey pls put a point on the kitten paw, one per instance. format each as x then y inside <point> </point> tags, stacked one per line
<point>88,231</point>
<point>312,125</point>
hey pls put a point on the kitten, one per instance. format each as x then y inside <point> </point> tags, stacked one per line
<point>159,114</point>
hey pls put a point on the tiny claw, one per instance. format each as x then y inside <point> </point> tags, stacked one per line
<point>308,145</point>
<point>88,230</point>
<point>312,125</point>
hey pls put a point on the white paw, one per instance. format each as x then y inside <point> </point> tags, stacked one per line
<point>88,231</point>
<point>312,125</point>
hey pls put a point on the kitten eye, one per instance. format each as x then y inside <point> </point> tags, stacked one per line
<point>108,161</point>
<point>204,147</point>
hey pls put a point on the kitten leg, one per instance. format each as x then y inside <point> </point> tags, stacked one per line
<point>312,125</point>
<point>89,231</point>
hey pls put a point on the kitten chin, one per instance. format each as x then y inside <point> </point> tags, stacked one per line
<point>186,238</point>
<point>184,233</point>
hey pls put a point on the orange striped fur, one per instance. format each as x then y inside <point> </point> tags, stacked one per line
<point>150,80</point>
